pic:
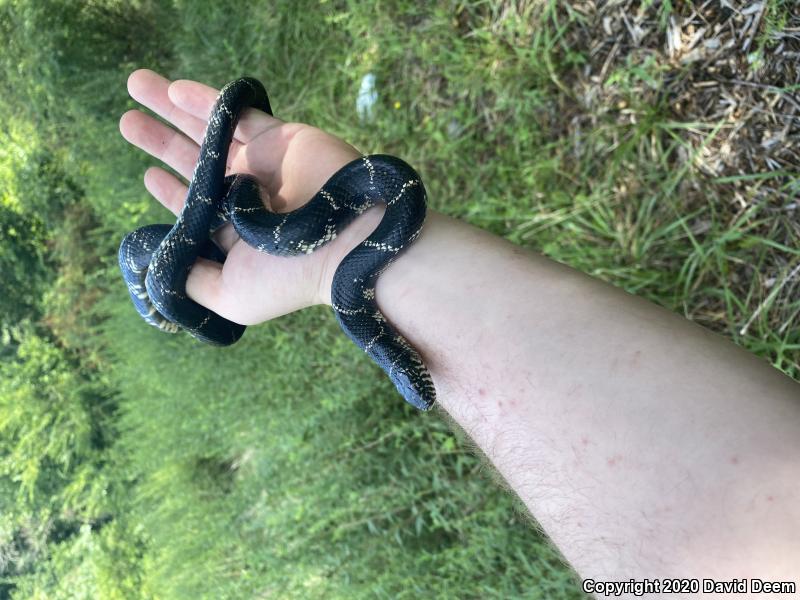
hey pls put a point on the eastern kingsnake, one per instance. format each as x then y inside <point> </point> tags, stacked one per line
<point>156,260</point>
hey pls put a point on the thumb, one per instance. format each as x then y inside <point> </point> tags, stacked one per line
<point>204,286</point>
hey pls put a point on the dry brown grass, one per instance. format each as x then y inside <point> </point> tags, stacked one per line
<point>711,91</point>
<point>722,63</point>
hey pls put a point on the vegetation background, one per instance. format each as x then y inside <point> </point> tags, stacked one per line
<point>651,144</point>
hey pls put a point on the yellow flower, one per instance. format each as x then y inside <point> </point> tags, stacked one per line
<point>396,104</point>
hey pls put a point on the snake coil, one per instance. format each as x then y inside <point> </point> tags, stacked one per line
<point>155,260</point>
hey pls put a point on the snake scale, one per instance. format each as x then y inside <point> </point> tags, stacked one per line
<point>155,260</point>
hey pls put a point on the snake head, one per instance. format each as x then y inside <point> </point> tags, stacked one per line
<point>418,394</point>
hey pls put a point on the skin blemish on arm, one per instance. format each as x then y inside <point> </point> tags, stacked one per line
<point>574,390</point>
<point>734,460</point>
<point>611,461</point>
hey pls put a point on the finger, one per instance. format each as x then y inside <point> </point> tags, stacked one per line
<point>166,188</point>
<point>187,104</point>
<point>204,285</point>
<point>171,192</point>
<point>198,100</point>
<point>226,237</point>
<point>163,142</point>
<point>151,89</point>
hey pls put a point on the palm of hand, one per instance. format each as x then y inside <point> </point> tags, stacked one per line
<point>290,160</point>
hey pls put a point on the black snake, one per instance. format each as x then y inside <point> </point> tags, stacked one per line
<point>156,260</point>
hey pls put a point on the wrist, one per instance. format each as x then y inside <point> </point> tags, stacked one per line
<point>347,239</point>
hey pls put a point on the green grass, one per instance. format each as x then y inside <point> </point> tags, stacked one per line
<point>287,466</point>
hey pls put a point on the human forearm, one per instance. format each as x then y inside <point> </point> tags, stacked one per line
<point>645,445</point>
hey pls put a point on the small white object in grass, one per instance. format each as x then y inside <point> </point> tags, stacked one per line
<point>367,97</point>
<point>754,57</point>
<point>454,129</point>
<point>674,42</point>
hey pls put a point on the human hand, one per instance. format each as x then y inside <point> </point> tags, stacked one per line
<point>291,161</point>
